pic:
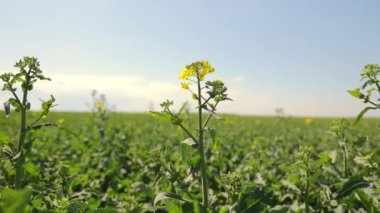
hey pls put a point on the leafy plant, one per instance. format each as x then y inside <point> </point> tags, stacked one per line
<point>340,128</point>
<point>100,112</point>
<point>207,95</point>
<point>371,83</point>
<point>29,73</point>
<point>303,159</point>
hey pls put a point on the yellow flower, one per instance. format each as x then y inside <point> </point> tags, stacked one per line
<point>187,72</point>
<point>61,121</point>
<point>100,105</point>
<point>308,121</point>
<point>206,69</point>
<point>185,85</point>
<point>201,68</point>
<point>219,80</point>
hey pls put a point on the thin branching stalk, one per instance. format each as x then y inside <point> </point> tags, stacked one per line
<point>208,94</point>
<point>201,147</point>
<point>307,186</point>
<point>23,131</point>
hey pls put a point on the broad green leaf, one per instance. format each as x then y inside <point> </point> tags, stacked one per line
<point>356,93</point>
<point>254,199</point>
<point>354,183</point>
<point>14,200</point>
<point>257,205</point>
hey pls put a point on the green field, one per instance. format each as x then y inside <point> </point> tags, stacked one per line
<point>254,164</point>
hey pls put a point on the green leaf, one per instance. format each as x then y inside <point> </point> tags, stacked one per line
<point>254,199</point>
<point>194,207</point>
<point>366,200</point>
<point>184,105</point>
<point>8,152</point>
<point>13,102</point>
<point>213,138</point>
<point>161,116</point>
<point>190,142</point>
<point>158,177</point>
<point>78,207</point>
<point>39,126</point>
<point>14,200</point>
<point>167,195</point>
<point>4,139</point>
<point>369,82</point>
<point>354,183</point>
<point>356,93</point>
<point>361,114</point>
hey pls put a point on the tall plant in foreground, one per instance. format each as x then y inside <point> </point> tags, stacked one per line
<point>29,73</point>
<point>208,95</point>
<point>370,76</point>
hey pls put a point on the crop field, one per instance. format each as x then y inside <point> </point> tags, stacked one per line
<point>126,106</point>
<point>182,161</point>
<point>255,164</point>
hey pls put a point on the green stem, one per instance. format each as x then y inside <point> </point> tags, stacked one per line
<point>20,160</point>
<point>209,117</point>
<point>16,97</point>
<point>345,159</point>
<point>201,150</point>
<point>307,187</point>
<point>188,133</point>
<point>184,128</point>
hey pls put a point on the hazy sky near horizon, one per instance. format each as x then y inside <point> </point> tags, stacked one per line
<point>298,55</point>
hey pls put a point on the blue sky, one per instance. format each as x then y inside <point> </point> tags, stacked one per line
<point>298,55</point>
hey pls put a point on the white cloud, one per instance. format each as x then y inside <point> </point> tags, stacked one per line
<point>127,93</point>
<point>238,78</point>
<point>135,93</point>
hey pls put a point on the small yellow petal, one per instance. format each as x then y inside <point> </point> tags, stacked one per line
<point>308,121</point>
<point>185,85</point>
<point>61,121</point>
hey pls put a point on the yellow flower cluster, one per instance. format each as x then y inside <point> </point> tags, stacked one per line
<point>100,105</point>
<point>61,121</point>
<point>185,85</point>
<point>206,69</point>
<point>201,68</point>
<point>187,72</point>
<point>308,121</point>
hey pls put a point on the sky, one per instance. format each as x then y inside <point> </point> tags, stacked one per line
<point>298,55</point>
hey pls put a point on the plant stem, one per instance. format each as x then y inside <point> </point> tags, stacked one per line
<point>188,133</point>
<point>345,159</point>
<point>201,150</point>
<point>20,160</point>
<point>307,186</point>
<point>209,116</point>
